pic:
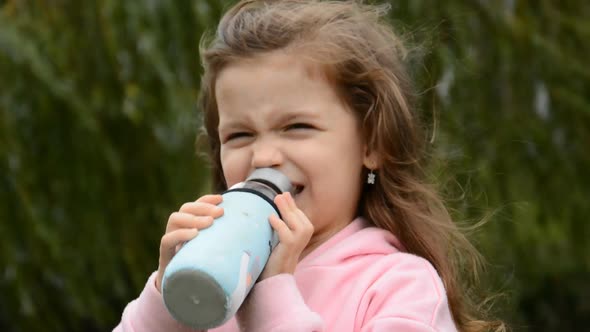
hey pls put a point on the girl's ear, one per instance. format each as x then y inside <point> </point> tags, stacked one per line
<point>371,159</point>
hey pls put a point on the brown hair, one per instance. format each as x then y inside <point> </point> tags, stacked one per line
<point>365,60</point>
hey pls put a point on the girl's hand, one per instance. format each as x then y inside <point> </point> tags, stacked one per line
<point>294,231</point>
<point>184,225</point>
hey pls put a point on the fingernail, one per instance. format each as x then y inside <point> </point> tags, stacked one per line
<point>287,195</point>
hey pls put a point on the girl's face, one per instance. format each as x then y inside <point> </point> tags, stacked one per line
<point>276,111</point>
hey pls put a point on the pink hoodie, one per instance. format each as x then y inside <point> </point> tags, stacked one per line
<point>359,280</point>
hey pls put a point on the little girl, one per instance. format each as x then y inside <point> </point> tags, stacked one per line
<point>318,90</point>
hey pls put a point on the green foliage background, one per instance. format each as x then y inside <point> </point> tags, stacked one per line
<point>98,120</point>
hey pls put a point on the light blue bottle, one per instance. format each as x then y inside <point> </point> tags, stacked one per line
<point>209,278</point>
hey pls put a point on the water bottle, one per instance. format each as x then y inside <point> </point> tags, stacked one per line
<point>211,275</point>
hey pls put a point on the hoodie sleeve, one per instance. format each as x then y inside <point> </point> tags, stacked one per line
<point>408,296</point>
<point>276,305</point>
<point>148,313</point>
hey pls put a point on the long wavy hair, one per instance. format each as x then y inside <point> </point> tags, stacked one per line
<point>365,60</point>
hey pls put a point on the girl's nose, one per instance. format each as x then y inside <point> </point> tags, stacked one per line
<point>266,153</point>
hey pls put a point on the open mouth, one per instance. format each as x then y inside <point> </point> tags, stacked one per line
<point>297,189</point>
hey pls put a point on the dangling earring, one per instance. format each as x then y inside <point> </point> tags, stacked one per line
<point>371,178</point>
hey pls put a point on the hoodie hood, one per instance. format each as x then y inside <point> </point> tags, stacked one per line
<point>358,238</point>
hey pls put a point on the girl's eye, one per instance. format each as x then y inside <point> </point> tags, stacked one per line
<point>237,135</point>
<point>299,125</point>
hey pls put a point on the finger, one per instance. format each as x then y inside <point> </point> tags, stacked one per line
<point>281,228</point>
<point>179,220</point>
<point>283,205</point>
<point>290,201</point>
<point>171,240</point>
<point>202,209</point>
<point>305,227</point>
<point>277,223</point>
<point>211,199</point>
<point>301,221</point>
<point>291,214</point>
